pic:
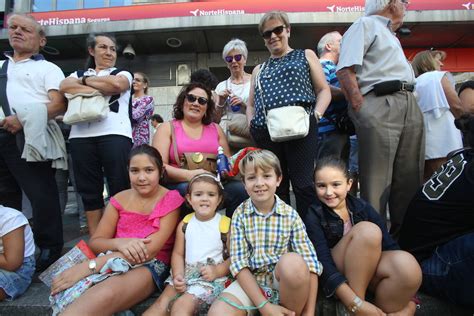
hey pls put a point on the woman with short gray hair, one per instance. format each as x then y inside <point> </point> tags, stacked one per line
<point>234,93</point>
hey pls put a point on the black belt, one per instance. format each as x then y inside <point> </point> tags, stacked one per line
<point>392,86</point>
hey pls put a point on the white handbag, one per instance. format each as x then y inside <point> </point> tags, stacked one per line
<point>85,107</point>
<point>287,122</point>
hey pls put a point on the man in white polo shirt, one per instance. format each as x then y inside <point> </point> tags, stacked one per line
<point>378,82</point>
<point>30,80</point>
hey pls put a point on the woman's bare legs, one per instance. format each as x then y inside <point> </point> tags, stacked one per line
<point>115,294</point>
<point>357,255</point>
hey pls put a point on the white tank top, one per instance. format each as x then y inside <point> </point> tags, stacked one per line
<point>203,240</point>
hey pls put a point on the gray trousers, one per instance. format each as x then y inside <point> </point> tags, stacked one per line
<point>391,152</point>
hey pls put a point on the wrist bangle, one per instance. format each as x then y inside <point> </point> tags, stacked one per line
<point>84,80</point>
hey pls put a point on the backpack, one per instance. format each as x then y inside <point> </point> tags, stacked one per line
<point>224,226</point>
<point>114,104</point>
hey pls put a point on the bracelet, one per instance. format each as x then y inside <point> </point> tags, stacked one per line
<point>84,80</point>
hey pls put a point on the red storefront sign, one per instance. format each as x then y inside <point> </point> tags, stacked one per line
<point>226,7</point>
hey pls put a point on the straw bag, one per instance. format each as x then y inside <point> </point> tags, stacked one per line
<point>85,107</point>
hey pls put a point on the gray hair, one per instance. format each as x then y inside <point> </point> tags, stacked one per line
<point>327,38</point>
<point>374,6</point>
<point>235,44</point>
<point>39,28</point>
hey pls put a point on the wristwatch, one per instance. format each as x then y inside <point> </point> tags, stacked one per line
<point>84,80</point>
<point>93,266</point>
<point>319,116</point>
<point>355,305</point>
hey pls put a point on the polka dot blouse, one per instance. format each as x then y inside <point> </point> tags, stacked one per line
<point>285,81</point>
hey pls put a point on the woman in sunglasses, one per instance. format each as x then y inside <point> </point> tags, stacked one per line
<point>289,77</point>
<point>234,94</point>
<point>194,132</point>
<point>142,110</point>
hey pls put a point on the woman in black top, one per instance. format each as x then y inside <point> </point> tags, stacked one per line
<point>356,249</point>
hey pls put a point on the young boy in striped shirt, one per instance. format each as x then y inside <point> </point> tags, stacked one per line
<point>272,258</point>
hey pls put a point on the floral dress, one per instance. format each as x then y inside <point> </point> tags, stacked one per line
<point>142,111</point>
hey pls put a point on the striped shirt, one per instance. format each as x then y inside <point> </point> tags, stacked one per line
<point>259,240</point>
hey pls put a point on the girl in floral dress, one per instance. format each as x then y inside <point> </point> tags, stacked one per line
<point>199,269</point>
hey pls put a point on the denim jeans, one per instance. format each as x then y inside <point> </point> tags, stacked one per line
<point>448,272</point>
<point>234,194</point>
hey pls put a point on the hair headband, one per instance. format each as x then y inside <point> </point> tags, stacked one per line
<point>207,175</point>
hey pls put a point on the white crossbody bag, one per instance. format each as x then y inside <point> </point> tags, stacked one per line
<point>287,122</point>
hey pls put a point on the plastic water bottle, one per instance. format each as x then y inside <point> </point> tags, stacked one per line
<point>223,164</point>
<point>235,108</point>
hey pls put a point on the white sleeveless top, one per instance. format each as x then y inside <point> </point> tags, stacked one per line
<point>203,240</point>
<point>441,135</point>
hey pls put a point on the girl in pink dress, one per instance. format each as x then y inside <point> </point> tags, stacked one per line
<point>138,225</point>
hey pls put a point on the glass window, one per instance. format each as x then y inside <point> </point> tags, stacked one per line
<point>42,5</point>
<point>67,5</point>
<point>118,3</point>
<point>94,4</point>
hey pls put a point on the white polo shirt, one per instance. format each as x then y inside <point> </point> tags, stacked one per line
<point>29,80</point>
<point>115,123</point>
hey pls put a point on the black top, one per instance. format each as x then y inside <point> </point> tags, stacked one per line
<point>442,209</point>
<point>325,229</point>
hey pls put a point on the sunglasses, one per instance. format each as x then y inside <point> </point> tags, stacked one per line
<point>192,98</point>
<point>237,58</point>
<point>277,30</point>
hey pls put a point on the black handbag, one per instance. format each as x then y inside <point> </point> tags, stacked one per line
<point>343,123</point>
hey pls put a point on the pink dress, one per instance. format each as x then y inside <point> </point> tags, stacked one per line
<point>207,143</point>
<point>135,225</point>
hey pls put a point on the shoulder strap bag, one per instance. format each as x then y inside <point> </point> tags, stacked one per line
<point>284,123</point>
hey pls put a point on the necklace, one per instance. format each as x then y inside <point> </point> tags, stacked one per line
<point>274,64</point>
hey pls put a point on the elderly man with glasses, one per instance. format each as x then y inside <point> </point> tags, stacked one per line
<point>378,83</point>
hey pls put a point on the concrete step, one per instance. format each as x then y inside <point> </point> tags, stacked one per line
<point>35,303</point>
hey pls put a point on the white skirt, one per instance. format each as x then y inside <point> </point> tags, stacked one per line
<point>442,136</point>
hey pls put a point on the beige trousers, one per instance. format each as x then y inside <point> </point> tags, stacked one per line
<point>391,152</point>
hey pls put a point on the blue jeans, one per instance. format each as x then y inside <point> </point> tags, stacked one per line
<point>448,272</point>
<point>234,194</point>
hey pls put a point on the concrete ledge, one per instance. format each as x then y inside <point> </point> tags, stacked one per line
<point>35,303</point>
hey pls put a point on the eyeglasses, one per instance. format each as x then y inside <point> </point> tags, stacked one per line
<point>237,58</point>
<point>192,98</point>
<point>277,30</point>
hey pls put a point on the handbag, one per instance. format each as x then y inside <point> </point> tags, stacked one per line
<point>193,160</point>
<point>85,107</point>
<point>344,123</point>
<point>236,130</point>
<point>287,122</point>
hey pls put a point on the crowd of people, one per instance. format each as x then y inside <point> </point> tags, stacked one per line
<point>373,117</point>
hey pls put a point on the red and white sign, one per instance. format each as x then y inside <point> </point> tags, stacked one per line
<point>226,7</point>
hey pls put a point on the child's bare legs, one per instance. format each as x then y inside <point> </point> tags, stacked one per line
<point>357,254</point>
<point>292,273</point>
<point>160,306</point>
<point>115,294</point>
<point>396,281</point>
<point>184,305</point>
<point>219,308</point>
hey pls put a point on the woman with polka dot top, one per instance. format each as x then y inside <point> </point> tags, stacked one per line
<point>289,77</point>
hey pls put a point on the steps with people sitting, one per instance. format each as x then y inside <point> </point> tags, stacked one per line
<point>35,303</point>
